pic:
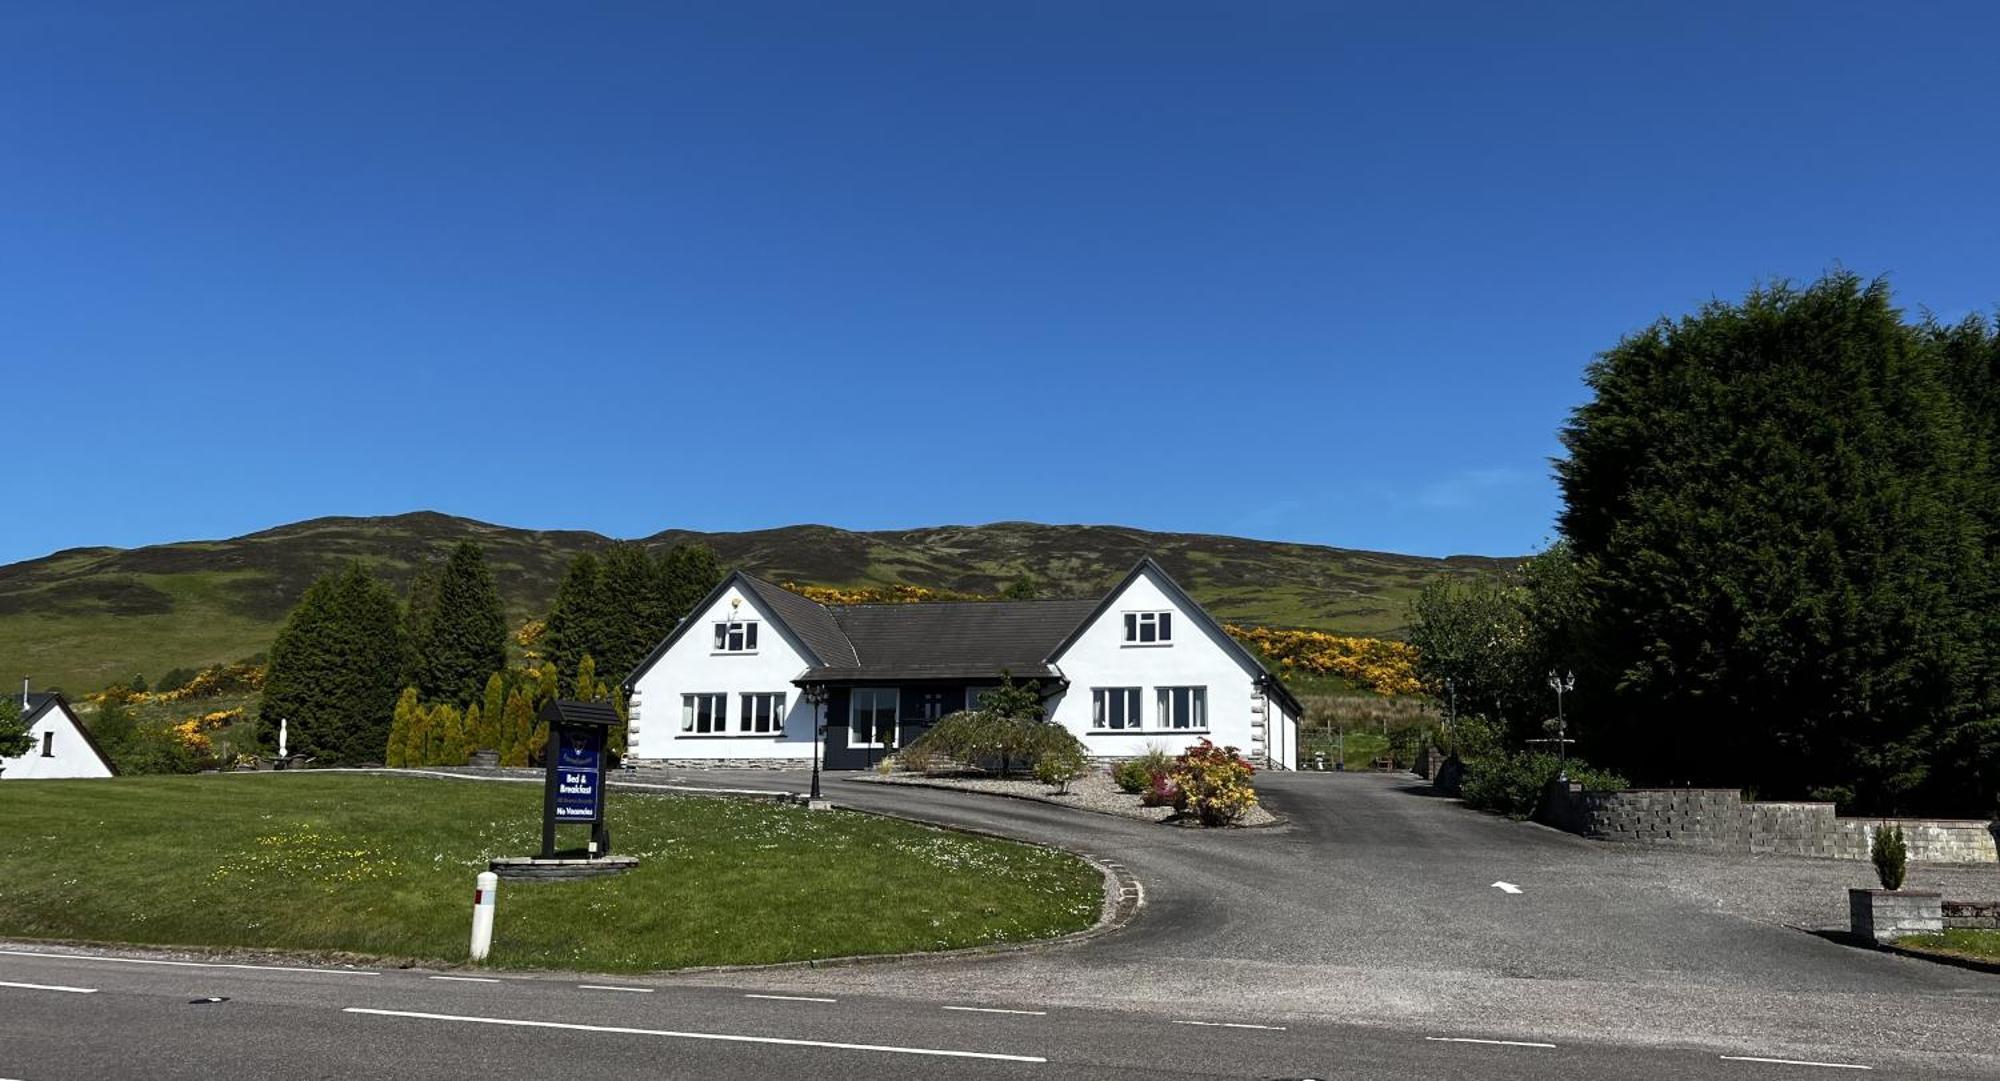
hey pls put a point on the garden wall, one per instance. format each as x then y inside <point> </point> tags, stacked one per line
<point>1718,820</point>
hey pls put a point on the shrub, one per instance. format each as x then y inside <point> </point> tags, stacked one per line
<point>1214,783</point>
<point>1059,758</point>
<point>917,759</point>
<point>1132,775</point>
<point>1512,783</point>
<point>1160,793</point>
<point>980,738</point>
<point>1890,856</point>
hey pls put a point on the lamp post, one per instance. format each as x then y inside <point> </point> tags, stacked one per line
<point>1562,684</point>
<point>815,694</point>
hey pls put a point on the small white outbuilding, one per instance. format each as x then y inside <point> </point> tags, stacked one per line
<point>63,747</point>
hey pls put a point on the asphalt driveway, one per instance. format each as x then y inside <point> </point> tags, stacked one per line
<point>1374,903</point>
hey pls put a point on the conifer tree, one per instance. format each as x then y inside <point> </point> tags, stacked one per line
<point>520,727</point>
<point>585,687</point>
<point>334,670</point>
<point>417,742</point>
<point>464,637</point>
<point>397,755</point>
<point>1775,509</point>
<point>474,731</point>
<point>494,714</point>
<point>576,620</point>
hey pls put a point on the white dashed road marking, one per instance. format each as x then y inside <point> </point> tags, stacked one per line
<point>722,1037</point>
<point>793,998</point>
<point>467,979</point>
<point>1796,1062</point>
<point>1232,1024</point>
<point>1506,887</point>
<point>181,964</point>
<point>1494,1043</point>
<point>995,1009</point>
<point>50,987</point>
<point>613,987</point>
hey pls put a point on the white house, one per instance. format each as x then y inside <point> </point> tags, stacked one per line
<point>62,745</point>
<point>736,681</point>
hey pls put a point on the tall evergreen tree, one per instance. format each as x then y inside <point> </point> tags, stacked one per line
<point>634,609</point>
<point>1774,509</point>
<point>334,670</point>
<point>687,572</point>
<point>464,637</point>
<point>576,620</point>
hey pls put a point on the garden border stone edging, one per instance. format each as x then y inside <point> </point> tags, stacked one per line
<point>942,785</point>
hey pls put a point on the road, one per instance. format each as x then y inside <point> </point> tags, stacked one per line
<point>1363,939</point>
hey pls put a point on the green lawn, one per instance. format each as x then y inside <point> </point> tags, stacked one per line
<point>1981,945</point>
<point>383,867</point>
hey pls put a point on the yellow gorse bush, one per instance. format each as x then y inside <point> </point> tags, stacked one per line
<point>1379,665</point>
<point>895,594</point>
<point>214,680</point>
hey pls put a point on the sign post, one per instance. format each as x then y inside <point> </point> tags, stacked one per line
<point>573,791</point>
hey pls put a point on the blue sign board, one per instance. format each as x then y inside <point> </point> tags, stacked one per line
<point>580,775</point>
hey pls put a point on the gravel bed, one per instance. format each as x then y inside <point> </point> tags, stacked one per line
<point>1095,792</point>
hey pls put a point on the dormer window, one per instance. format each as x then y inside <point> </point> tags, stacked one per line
<point>1149,628</point>
<point>736,636</point>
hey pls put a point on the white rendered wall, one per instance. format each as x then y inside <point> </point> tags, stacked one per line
<point>1197,657</point>
<point>693,667</point>
<point>72,757</point>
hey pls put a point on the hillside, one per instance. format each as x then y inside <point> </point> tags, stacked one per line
<point>81,618</point>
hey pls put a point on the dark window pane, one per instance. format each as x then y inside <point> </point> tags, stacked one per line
<point>750,636</point>
<point>1166,626</point>
<point>721,635</point>
<point>1131,626</point>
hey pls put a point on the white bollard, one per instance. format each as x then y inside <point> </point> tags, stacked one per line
<point>482,915</point>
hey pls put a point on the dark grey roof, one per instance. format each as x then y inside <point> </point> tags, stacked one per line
<point>808,619</point>
<point>575,711</point>
<point>996,634</point>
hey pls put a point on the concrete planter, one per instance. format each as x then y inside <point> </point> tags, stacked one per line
<point>1885,915</point>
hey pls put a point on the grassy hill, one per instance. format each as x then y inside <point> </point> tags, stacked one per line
<point>79,619</point>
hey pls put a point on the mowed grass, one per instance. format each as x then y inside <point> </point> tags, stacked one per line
<point>1982,945</point>
<point>382,867</point>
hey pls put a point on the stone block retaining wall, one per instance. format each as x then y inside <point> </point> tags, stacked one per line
<point>1718,820</point>
<point>1972,915</point>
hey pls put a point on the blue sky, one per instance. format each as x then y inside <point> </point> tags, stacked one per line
<point>1308,271</point>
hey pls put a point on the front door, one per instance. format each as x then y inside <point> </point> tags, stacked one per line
<point>871,723</point>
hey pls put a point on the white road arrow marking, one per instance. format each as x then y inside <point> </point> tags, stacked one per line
<point>1506,887</point>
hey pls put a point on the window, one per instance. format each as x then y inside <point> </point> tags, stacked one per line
<point>933,707</point>
<point>975,696</point>
<point>736,636</point>
<point>705,714</point>
<point>763,714</point>
<point>871,717</point>
<point>1185,708</point>
<point>1149,628</point>
<point>48,745</point>
<point>1114,708</point>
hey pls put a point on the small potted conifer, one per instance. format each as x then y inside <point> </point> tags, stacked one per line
<point>1886,914</point>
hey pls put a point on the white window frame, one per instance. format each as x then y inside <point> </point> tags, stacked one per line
<point>1100,703</point>
<point>48,743</point>
<point>1159,623</point>
<point>691,714</point>
<point>773,719</point>
<point>742,632</point>
<point>1165,719</point>
<point>895,724</point>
